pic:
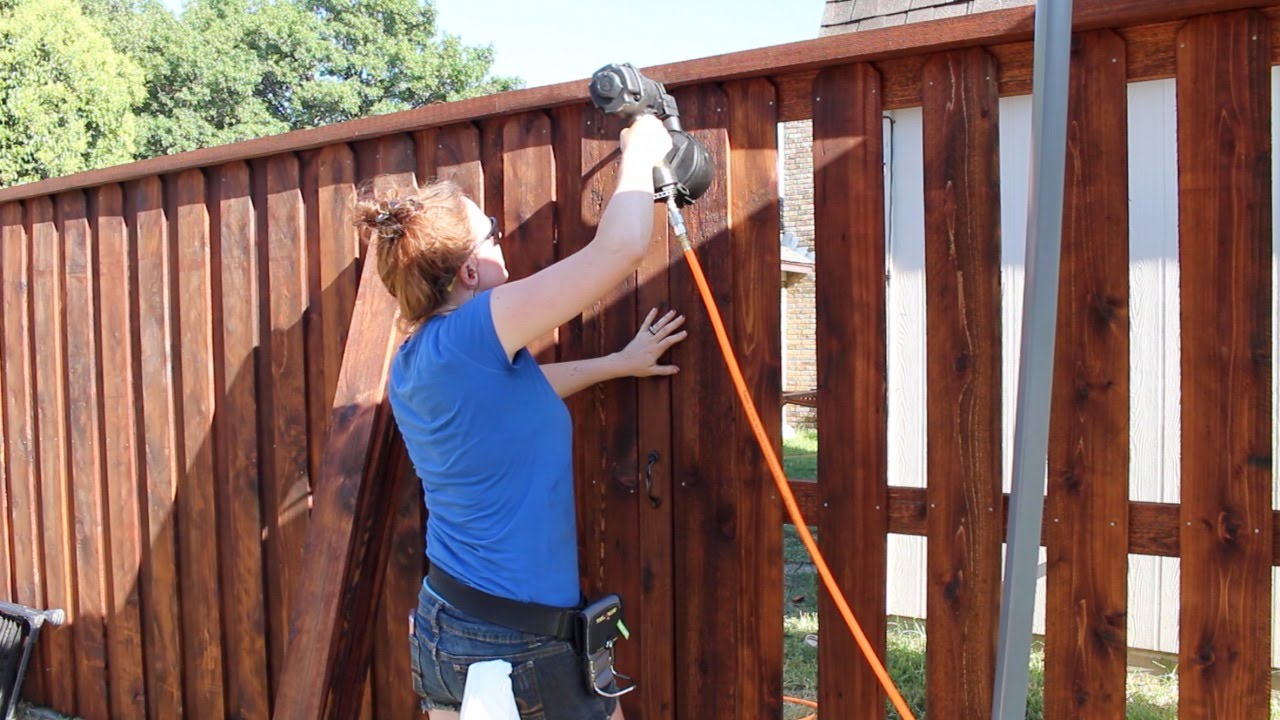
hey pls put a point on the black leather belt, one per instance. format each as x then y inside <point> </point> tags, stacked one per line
<point>533,618</point>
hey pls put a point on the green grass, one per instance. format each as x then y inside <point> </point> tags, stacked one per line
<point>1152,695</point>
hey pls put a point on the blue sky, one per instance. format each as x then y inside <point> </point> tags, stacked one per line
<point>551,41</point>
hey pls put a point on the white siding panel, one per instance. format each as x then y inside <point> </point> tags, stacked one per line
<point>906,592</point>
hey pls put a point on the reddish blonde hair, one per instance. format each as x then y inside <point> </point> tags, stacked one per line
<point>422,237</point>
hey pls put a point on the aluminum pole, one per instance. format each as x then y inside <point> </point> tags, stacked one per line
<point>1049,89</point>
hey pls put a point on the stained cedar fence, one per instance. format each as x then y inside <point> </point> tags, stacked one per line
<point>198,464</point>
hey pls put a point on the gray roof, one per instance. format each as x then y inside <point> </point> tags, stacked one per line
<point>843,16</point>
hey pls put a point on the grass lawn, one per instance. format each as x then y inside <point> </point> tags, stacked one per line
<point>1152,696</point>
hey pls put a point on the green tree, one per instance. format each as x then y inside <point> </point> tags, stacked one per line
<point>66,97</point>
<point>227,70</point>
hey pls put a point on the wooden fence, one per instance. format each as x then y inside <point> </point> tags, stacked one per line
<point>199,468</point>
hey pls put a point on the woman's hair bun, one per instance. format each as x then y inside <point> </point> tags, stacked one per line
<point>387,218</point>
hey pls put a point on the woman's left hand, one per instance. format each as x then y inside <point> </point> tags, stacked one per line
<point>657,334</point>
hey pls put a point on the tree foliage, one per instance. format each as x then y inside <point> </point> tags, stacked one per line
<point>66,96</point>
<point>227,70</point>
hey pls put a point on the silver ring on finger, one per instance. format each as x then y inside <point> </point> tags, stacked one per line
<point>653,331</point>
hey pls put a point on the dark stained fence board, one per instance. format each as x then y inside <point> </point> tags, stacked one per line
<point>51,421</point>
<point>196,506</point>
<point>359,418</point>
<point>654,608</point>
<point>144,203</point>
<point>852,377</point>
<point>85,456</point>
<point>283,372</point>
<point>120,454</point>
<point>332,235</point>
<point>20,424</point>
<point>1085,643</point>
<point>707,507</point>
<point>399,542</point>
<point>236,338</point>
<point>528,220</point>
<point>754,331</point>
<point>1224,211</point>
<point>963,337</point>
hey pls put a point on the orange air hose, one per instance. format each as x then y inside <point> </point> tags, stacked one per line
<point>775,467</point>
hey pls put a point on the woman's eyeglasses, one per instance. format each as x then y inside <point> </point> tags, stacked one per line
<point>494,233</point>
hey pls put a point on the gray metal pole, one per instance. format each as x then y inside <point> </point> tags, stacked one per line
<point>1049,87</point>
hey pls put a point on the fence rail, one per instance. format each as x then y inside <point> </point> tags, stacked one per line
<point>199,466</point>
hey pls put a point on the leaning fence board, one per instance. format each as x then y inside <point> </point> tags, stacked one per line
<point>120,444</point>
<point>326,660</point>
<point>399,537</point>
<point>1224,210</point>
<point>85,457</point>
<point>852,364</point>
<point>1085,648</point>
<point>283,372</point>
<point>163,650</point>
<point>20,424</point>
<point>755,319</point>
<point>47,329</point>
<point>962,331</point>
<point>236,338</point>
<point>196,508</point>
<point>707,512</point>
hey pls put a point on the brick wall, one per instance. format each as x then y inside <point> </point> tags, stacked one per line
<point>800,370</point>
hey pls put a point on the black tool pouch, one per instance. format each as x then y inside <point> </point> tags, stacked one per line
<point>598,626</point>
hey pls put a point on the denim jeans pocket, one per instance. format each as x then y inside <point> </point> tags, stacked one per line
<point>524,686</point>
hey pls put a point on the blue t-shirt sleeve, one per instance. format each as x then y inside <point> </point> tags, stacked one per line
<point>469,331</point>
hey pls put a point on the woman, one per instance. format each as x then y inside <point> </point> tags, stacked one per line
<point>490,436</point>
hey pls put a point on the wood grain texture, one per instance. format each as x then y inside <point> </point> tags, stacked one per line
<point>120,450</point>
<point>144,207</point>
<point>20,424</point>
<point>1087,599</point>
<point>236,337</point>
<point>286,481</point>
<point>963,344</point>
<point>85,456</point>
<point>1224,210</point>
<point>852,371</point>
<point>528,207</point>
<point>708,530</point>
<point>754,322</point>
<point>326,660</point>
<point>196,508</point>
<point>49,346</point>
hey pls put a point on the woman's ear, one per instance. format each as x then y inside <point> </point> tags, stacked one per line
<point>469,273</point>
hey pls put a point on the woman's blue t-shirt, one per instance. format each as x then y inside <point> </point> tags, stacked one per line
<point>492,443</point>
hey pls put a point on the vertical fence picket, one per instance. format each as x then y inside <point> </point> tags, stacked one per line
<point>707,510</point>
<point>48,365</point>
<point>852,376</point>
<point>20,425</point>
<point>120,452</point>
<point>85,459</point>
<point>236,339</point>
<point>528,207</point>
<point>286,477</point>
<point>1224,210</point>
<point>755,321</point>
<point>144,204</point>
<point>1087,519</point>
<point>394,163</point>
<point>196,508</point>
<point>962,330</point>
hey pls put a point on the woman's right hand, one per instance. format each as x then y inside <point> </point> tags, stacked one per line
<point>646,141</point>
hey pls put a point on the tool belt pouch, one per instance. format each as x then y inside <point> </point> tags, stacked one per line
<point>597,630</point>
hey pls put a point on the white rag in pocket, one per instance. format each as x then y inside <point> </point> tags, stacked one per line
<point>488,695</point>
